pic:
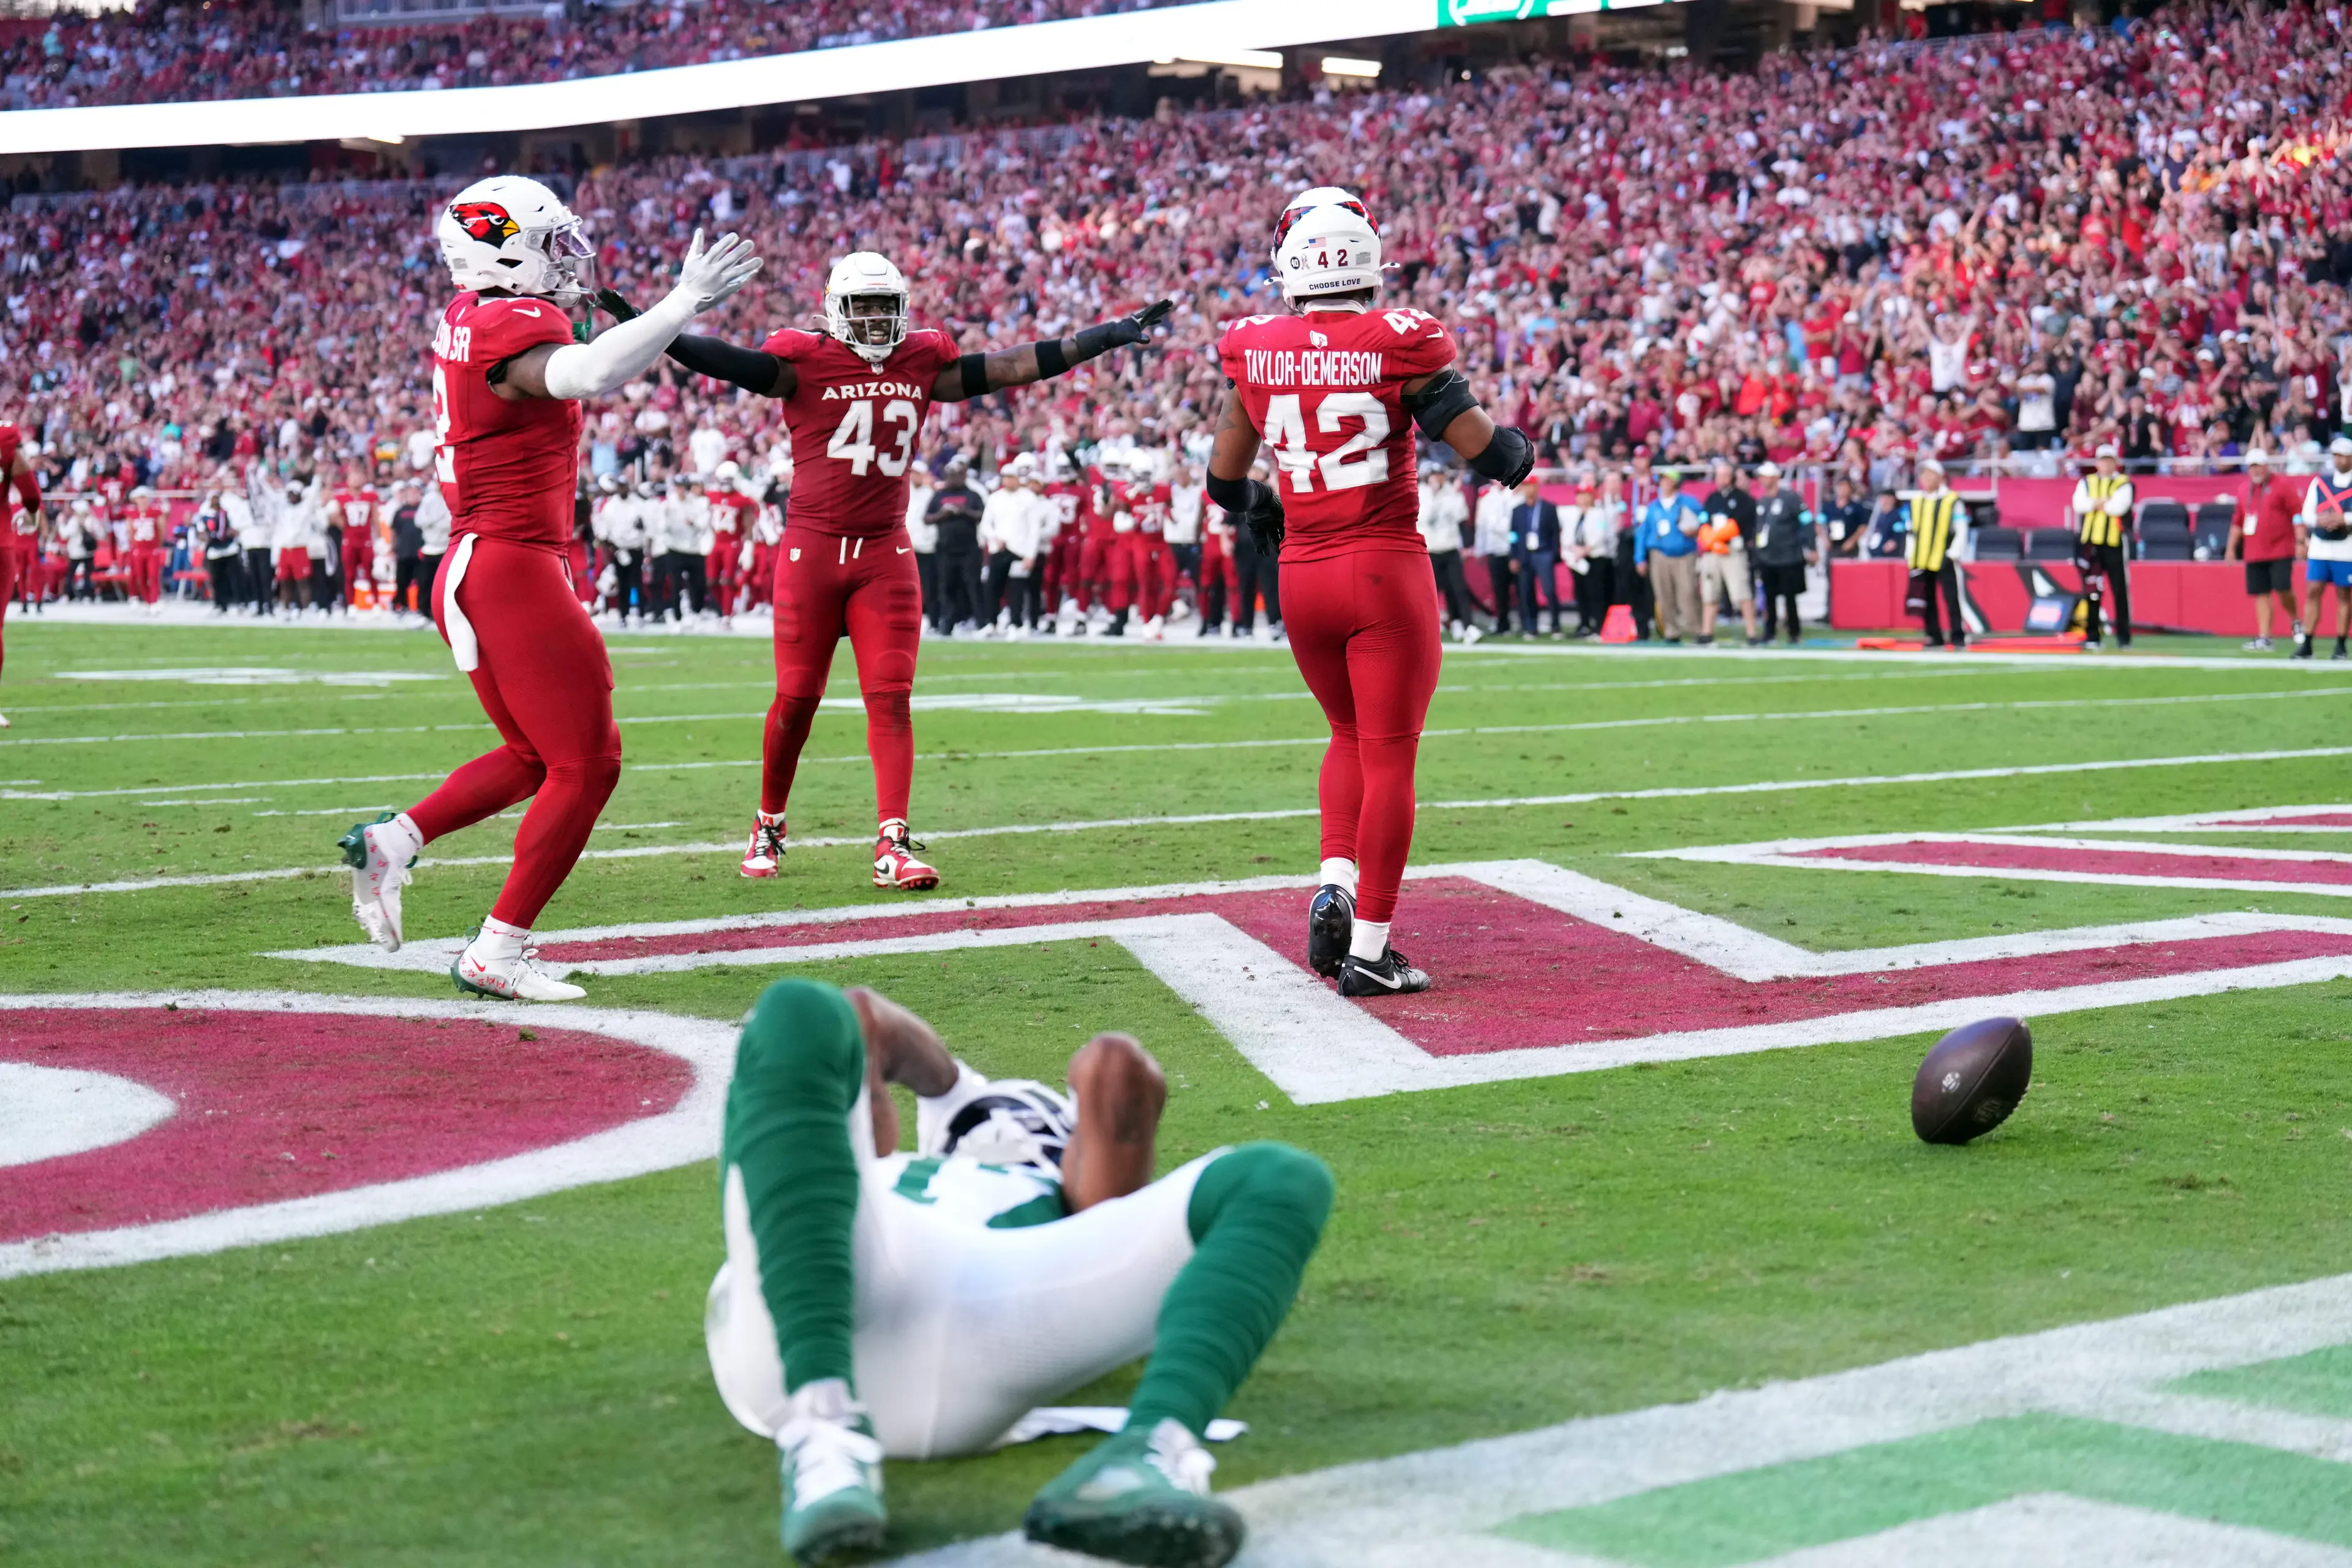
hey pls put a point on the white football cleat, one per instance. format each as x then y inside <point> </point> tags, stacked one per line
<point>4,721</point>
<point>380,854</point>
<point>766,854</point>
<point>496,963</point>
<point>1154,630</point>
<point>895,865</point>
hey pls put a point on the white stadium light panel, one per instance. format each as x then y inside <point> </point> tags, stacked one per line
<point>1215,32</point>
<point>1341,65</point>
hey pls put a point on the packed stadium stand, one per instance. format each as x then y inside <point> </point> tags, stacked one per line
<point>1994,248</point>
<point>238,49</point>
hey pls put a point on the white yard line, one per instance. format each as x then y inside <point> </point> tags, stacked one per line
<point>1156,707</point>
<point>1584,797</point>
<point>1435,1506</point>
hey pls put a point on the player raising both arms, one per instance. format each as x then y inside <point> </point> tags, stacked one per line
<point>855,397</point>
<point>1329,390</point>
<point>16,547</point>
<point>507,380</point>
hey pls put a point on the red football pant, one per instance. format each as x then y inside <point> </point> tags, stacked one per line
<point>1139,575</point>
<point>546,684</point>
<point>828,584</point>
<point>719,569</point>
<point>12,561</point>
<point>359,568</point>
<point>1095,554</point>
<point>1217,571</point>
<point>1364,629</point>
<point>146,568</point>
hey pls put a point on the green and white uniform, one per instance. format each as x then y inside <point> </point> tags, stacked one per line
<point>977,1298</point>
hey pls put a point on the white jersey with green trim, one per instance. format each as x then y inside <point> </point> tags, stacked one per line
<point>967,1191</point>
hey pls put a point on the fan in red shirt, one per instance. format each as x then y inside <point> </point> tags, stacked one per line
<point>1330,389</point>
<point>508,376</point>
<point>16,547</point>
<point>855,397</point>
<point>2266,531</point>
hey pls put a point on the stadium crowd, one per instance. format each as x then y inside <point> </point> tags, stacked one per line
<point>252,49</point>
<point>2004,249</point>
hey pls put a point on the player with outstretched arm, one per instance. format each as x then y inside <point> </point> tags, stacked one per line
<point>876,1303</point>
<point>855,398</point>
<point>1330,389</point>
<point>508,378</point>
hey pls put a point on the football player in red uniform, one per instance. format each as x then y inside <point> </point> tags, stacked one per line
<point>733,517</point>
<point>1329,389</point>
<point>508,376</point>
<point>17,548</point>
<point>1073,510</point>
<point>855,397</point>
<point>143,527</point>
<point>1141,577</point>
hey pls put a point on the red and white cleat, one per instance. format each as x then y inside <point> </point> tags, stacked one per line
<point>895,865</point>
<point>766,854</point>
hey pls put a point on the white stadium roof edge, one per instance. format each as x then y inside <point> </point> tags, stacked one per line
<point>1211,30</point>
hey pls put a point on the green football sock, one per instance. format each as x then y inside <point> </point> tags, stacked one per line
<point>1255,1217</point>
<point>799,1064</point>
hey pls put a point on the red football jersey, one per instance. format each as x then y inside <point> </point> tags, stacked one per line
<point>853,428</point>
<point>1146,502</point>
<point>1326,391</point>
<point>12,441</point>
<point>732,513</point>
<point>144,525</point>
<point>1075,503</point>
<point>506,467</point>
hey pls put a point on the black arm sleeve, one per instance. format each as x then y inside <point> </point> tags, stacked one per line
<point>1234,495</point>
<point>1509,457</point>
<point>749,369</point>
<point>1258,507</point>
<point>1445,399</point>
<point>973,368</point>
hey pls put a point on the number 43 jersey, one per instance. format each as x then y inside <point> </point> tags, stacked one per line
<point>1326,390</point>
<point>855,427</point>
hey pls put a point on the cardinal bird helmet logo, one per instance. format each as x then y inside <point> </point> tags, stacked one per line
<point>486,221</point>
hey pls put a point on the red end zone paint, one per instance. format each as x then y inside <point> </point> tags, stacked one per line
<point>2218,867</point>
<point>276,1105</point>
<point>2295,819</point>
<point>1510,973</point>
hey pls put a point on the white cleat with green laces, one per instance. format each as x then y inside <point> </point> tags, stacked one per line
<point>831,1467</point>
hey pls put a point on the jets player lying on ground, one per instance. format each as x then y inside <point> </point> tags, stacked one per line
<point>1328,390</point>
<point>918,1305</point>
<point>506,381</point>
<point>855,397</point>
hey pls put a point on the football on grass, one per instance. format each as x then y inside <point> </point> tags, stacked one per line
<point>1972,1080</point>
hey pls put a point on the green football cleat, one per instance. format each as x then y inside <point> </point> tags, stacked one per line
<point>1143,1497</point>
<point>833,1477</point>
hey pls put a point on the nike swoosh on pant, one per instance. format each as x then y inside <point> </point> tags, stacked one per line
<point>905,550</point>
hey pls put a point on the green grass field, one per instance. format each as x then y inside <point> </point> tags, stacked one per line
<point>527,1385</point>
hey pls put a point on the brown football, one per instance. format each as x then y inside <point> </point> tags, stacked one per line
<point>1972,1080</point>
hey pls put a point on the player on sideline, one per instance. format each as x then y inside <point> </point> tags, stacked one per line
<point>855,397</point>
<point>506,381</point>
<point>918,1305</point>
<point>15,549</point>
<point>1329,389</point>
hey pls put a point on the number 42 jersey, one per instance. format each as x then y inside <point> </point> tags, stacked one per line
<point>1326,390</point>
<point>855,428</point>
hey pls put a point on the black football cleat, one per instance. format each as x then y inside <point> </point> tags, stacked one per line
<point>1391,974</point>
<point>1331,926</point>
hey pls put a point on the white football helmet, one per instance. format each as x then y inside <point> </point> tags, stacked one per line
<point>507,232</point>
<point>1015,1121</point>
<point>866,305</point>
<point>1327,250</point>
<point>1307,201</point>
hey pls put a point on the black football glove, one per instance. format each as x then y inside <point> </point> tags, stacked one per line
<point>609,300</point>
<point>1135,327</point>
<point>1263,517</point>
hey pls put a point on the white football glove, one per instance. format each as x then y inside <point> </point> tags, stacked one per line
<point>707,277</point>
